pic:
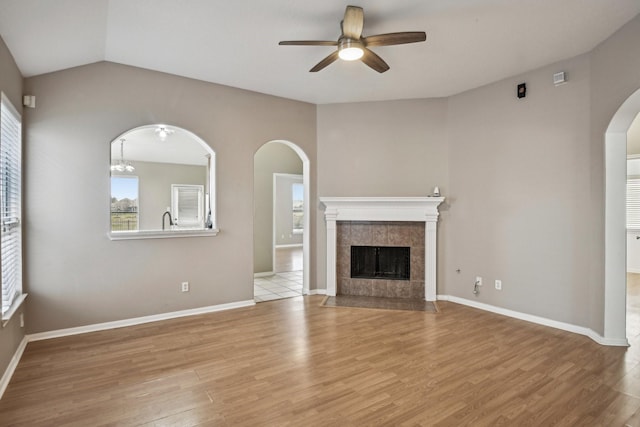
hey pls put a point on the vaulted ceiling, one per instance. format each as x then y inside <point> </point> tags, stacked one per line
<point>469,42</point>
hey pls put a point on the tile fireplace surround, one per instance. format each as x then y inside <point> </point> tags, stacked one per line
<point>375,216</point>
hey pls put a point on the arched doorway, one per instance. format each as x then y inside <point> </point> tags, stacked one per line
<point>260,224</point>
<point>615,225</point>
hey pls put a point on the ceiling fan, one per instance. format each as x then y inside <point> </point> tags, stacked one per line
<point>352,45</point>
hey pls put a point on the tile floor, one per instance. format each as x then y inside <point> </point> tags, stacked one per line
<point>278,286</point>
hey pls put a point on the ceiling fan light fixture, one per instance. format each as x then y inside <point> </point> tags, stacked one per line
<point>350,50</point>
<point>353,46</point>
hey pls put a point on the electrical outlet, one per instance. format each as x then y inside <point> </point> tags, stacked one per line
<point>479,280</point>
<point>499,284</point>
<point>185,286</point>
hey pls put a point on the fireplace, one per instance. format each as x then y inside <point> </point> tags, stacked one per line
<point>380,262</point>
<point>382,221</point>
<point>396,246</point>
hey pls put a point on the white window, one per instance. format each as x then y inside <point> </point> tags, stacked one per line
<point>633,203</point>
<point>124,203</point>
<point>297,199</point>
<point>187,205</point>
<point>10,204</point>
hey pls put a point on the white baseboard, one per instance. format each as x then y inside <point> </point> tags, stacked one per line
<point>538,320</point>
<point>633,270</point>
<point>137,320</point>
<point>317,292</point>
<point>263,274</point>
<point>13,364</point>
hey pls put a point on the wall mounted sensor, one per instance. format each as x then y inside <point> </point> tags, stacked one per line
<point>559,78</point>
<point>29,101</point>
<point>522,90</point>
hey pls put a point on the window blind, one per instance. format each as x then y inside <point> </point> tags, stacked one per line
<point>187,202</point>
<point>633,203</point>
<point>10,203</point>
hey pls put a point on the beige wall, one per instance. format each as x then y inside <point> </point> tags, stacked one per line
<point>269,159</point>
<point>77,276</point>
<point>519,193</point>
<point>382,148</point>
<point>11,85</point>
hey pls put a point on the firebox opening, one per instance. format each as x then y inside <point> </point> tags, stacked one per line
<point>380,262</point>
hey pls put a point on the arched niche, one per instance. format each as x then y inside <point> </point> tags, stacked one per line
<point>162,184</point>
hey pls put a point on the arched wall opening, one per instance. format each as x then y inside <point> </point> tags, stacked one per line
<point>615,221</point>
<point>306,208</point>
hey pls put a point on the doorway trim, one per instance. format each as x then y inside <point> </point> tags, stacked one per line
<point>615,244</point>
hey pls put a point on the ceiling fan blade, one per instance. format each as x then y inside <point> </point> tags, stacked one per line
<point>326,61</point>
<point>374,61</point>
<point>308,43</point>
<point>353,22</point>
<point>395,38</point>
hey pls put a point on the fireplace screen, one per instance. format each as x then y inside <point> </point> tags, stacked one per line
<point>380,262</point>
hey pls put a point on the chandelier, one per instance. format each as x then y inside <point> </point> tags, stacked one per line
<point>121,165</point>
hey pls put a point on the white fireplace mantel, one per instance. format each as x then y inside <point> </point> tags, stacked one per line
<point>421,209</point>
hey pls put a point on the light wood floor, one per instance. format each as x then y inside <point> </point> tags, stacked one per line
<point>288,259</point>
<point>293,363</point>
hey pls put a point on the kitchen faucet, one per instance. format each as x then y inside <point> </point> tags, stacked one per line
<point>170,220</point>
